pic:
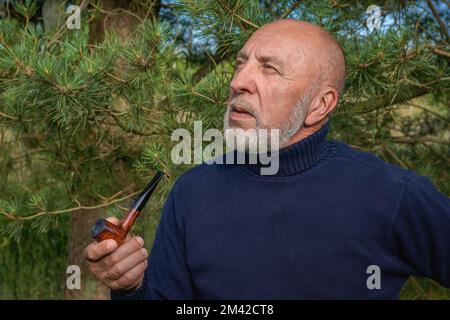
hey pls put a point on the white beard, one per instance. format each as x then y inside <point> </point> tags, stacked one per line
<point>249,140</point>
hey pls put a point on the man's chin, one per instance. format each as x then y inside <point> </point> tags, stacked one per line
<point>243,125</point>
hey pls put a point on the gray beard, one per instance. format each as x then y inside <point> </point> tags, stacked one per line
<point>287,130</point>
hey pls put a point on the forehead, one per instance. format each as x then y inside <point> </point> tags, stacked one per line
<point>284,46</point>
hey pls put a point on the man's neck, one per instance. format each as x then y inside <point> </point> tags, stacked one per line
<point>305,131</point>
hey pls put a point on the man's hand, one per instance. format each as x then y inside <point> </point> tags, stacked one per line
<point>120,268</point>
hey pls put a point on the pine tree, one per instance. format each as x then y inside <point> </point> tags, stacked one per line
<point>84,122</point>
<point>75,118</point>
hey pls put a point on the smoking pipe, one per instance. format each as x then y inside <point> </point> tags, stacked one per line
<point>103,229</point>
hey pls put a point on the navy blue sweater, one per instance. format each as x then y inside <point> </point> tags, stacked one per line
<point>308,232</point>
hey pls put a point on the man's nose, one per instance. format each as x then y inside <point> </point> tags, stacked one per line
<point>244,80</point>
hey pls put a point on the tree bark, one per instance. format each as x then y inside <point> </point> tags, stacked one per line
<point>81,223</point>
<point>118,16</point>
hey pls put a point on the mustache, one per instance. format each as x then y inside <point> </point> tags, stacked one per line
<point>242,105</point>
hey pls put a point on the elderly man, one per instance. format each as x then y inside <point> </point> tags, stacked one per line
<point>333,222</point>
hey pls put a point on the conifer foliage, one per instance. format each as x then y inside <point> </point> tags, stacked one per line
<point>84,125</point>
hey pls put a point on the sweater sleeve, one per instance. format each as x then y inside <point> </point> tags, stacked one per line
<point>420,237</point>
<point>167,275</point>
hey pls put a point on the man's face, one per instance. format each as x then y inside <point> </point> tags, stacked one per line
<point>271,80</point>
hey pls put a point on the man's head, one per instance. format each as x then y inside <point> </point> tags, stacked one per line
<point>288,76</point>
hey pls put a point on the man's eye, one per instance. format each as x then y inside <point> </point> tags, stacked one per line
<point>270,67</point>
<point>239,62</point>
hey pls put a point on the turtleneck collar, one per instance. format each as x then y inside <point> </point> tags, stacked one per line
<point>301,155</point>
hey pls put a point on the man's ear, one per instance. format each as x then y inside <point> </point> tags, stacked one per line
<point>322,105</point>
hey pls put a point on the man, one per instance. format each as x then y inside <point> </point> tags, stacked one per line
<point>333,222</point>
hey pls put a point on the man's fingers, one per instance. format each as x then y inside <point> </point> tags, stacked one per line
<point>97,250</point>
<point>132,278</point>
<point>114,220</point>
<point>118,267</point>
<point>126,249</point>
<point>125,265</point>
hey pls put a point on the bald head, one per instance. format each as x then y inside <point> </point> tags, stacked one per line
<point>316,45</point>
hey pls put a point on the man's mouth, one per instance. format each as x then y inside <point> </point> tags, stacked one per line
<point>238,113</point>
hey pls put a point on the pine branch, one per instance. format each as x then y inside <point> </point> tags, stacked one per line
<point>440,52</point>
<point>395,156</point>
<point>131,130</point>
<point>428,110</point>
<point>291,9</point>
<point>57,212</point>
<point>30,152</point>
<point>8,116</point>
<point>386,100</point>
<point>408,139</point>
<point>202,96</point>
<point>442,26</point>
<point>233,13</point>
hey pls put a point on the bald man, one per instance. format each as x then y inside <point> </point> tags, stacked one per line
<point>331,223</point>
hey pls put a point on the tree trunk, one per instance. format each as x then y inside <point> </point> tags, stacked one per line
<point>117,15</point>
<point>81,223</point>
<point>51,14</point>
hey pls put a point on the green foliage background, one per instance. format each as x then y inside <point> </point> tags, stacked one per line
<point>83,124</point>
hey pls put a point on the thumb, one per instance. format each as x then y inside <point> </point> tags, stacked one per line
<point>114,220</point>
